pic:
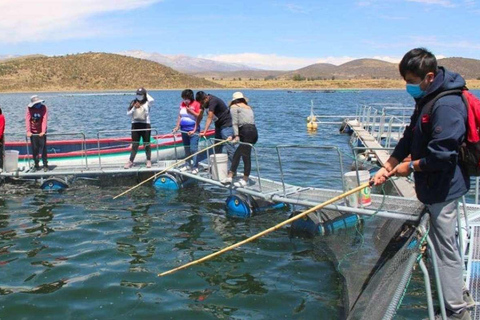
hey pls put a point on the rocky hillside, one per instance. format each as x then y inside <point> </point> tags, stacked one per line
<point>366,69</point>
<point>91,71</point>
<point>468,68</point>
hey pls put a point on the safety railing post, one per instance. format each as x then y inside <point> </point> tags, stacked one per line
<point>437,277</point>
<point>428,289</point>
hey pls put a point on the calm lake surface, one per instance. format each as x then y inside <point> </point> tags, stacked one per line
<point>81,255</point>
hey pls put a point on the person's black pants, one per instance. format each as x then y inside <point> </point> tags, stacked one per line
<point>2,153</point>
<point>145,135</point>
<point>39,146</point>
<point>248,134</point>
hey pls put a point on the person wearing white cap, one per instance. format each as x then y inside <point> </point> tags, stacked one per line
<point>139,110</point>
<point>244,129</point>
<point>36,125</point>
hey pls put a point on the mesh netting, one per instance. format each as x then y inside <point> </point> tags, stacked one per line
<point>375,260</point>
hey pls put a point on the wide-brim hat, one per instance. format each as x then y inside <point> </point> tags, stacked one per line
<point>34,100</point>
<point>238,95</point>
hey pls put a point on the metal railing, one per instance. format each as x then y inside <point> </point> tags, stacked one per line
<point>83,144</point>
<point>282,176</point>
<point>104,132</point>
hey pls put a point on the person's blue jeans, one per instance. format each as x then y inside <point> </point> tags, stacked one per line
<point>190,144</point>
<point>223,134</point>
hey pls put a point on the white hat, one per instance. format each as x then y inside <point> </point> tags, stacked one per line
<point>34,100</point>
<point>238,95</point>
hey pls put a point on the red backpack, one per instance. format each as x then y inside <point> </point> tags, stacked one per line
<point>469,154</point>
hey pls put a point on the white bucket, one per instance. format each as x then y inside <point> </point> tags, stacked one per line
<point>219,161</point>
<point>361,198</point>
<point>164,164</point>
<point>10,162</point>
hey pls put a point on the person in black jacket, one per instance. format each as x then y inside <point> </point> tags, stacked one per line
<point>439,179</point>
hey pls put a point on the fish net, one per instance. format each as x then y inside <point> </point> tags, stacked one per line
<point>375,260</point>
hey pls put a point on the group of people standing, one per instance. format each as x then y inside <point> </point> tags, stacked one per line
<point>235,123</point>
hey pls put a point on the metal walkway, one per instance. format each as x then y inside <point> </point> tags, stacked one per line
<point>403,186</point>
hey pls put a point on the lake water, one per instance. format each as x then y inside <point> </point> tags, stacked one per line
<point>81,255</point>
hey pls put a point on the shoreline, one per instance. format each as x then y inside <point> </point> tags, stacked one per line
<point>334,85</point>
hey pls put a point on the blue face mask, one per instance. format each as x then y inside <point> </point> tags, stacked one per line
<point>415,91</point>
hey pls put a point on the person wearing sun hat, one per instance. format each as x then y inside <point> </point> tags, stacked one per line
<point>244,129</point>
<point>36,125</point>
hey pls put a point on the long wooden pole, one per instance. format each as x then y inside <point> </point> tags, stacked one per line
<point>169,167</point>
<point>261,234</point>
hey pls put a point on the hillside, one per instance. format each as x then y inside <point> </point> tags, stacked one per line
<point>314,71</point>
<point>374,69</point>
<point>243,74</point>
<point>468,68</point>
<point>91,71</point>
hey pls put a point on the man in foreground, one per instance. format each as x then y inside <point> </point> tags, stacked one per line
<point>433,140</point>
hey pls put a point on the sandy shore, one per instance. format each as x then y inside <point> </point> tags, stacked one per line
<point>323,84</point>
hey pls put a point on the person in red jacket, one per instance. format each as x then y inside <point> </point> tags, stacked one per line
<point>2,138</point>
<point>36,124</point>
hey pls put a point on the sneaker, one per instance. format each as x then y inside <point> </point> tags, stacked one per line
<point>149,164</point>
<point>195,171</point>
<point>464,315</point>
<point>227,180</point>
<point>45,168</point>
<point>128,165</point>
<point>467,297</point>
<point>184,168</point>
<point>240,183</point>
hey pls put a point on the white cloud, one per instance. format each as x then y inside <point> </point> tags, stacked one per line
<point>443,3</point>
<point>36,20</point>
<point>294,8</point>
<point>276,62</point>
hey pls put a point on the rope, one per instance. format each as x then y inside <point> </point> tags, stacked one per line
<point>169,167</point>
<point>276,227</point>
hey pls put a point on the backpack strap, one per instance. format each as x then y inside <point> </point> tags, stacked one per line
<point>428,107</point>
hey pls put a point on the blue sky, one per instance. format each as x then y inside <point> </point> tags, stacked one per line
<point>268,34</point>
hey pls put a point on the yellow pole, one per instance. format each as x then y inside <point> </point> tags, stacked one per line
<point>258,235</point>
<point>168,168</point>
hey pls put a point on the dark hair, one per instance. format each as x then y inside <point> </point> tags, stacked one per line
<point>200,96</point>
<point>0,110</point>
<point>241,100</point>
<point>418,61</point>
<point>187,94</point>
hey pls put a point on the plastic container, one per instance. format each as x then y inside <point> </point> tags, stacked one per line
<point>10,162</point>
<point>219,161</point>
<point>362,198</point>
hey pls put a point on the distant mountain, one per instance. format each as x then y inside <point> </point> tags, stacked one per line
<point>318,70</point>
<point>92,71</point>
<point>378,69</point>
<point>468,68</point>
<point>187,64</point>
<point>243,74</point>
<point>7,56</point>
